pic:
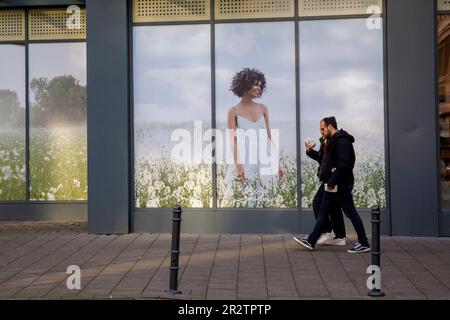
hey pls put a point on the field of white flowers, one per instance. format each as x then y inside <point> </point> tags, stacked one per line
<point>58,171</point>
<point>369,187</point>
<point>58,164</point>
<point>12,165</point>
<point>254,193</point>
<point>160,182</point>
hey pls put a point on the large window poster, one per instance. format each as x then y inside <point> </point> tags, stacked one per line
<point>341,74</point>
<point>254,104</point>
<point>265,52</point>
<point>172,115</point>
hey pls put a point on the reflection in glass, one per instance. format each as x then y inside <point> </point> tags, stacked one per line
<point>341,74</point>
<point>269,48</point>
<point>444,106</point>
<point>12,122</point>
<point>58,136</point>
<point>172,112</point>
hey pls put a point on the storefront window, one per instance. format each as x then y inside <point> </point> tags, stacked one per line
<point>172,113</point>
<point>341,75</point>
<point>340,64</point>
<point>12,122</point>
<point>58,135</point>
<point>444,106</point>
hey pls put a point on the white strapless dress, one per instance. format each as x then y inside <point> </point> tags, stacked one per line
<point>249,152</point>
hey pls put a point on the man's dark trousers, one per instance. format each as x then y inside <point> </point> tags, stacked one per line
<point>335,221</point>
<point>344,198</point>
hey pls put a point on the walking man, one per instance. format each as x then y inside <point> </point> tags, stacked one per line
<point>334,227</point>
<point>337,170</point>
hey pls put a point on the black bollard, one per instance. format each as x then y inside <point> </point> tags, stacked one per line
<point>376,253</point>
<point>175,252</point>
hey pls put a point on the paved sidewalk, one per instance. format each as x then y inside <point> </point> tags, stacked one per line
<point>34,257</point>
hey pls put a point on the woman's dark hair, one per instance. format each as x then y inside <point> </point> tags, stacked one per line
<point>330,120</point>
<point>245,79</point>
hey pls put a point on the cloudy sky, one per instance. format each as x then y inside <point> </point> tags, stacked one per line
<point>172,69</point>
<point>341,73</point>
<point>340,63</point>
<point>46,60</point>
<point>55,59</point>
<point>12,69</point>
<point>172,77</point>
<point>269,47</point>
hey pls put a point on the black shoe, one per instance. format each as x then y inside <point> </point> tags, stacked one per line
<point>359,248</point>
<point>304,242</point>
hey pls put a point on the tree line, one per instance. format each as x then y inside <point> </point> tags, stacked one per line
<point>59,101</point>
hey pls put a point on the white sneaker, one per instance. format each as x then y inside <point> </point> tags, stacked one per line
<point>336,242</point>
<point>325,237</point>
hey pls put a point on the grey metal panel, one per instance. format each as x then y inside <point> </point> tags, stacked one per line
<point>444,224</point>
<point>307,222</point>
<point>385,228</point>
<point>35,3</point>
<point>237,221</point>
<point>13,211</point>
<point>366,218</point>
<point>57,212</point>
<point>193,221</point>
<point>217,221</point>
<point>412,117</point>
<point>108,132</point>
<point>143,221</point>
<point>240,221</point>
<point>44,211</point>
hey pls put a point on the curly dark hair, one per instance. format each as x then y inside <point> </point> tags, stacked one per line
<point>245,79</point>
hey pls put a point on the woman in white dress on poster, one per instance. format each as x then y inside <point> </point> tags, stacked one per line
<point>243,118</point>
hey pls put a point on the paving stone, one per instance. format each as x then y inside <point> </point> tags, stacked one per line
<point>34,258</point>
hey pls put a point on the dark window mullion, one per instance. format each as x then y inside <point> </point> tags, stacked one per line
<point>297,107</point>
<point>213,102</point>
<point>27,113</point>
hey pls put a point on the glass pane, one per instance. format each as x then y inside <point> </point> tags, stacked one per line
<point>58,136</point>
<point>444,107</point>
<point>270,48</point>
<point>172,111</point>
<point>341,74</point>
<point>12,122</point>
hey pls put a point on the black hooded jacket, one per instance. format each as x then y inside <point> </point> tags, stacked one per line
<point>317,155</point>
<point>336,159</point>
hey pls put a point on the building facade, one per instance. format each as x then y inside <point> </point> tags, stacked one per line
<point>114,111</point>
